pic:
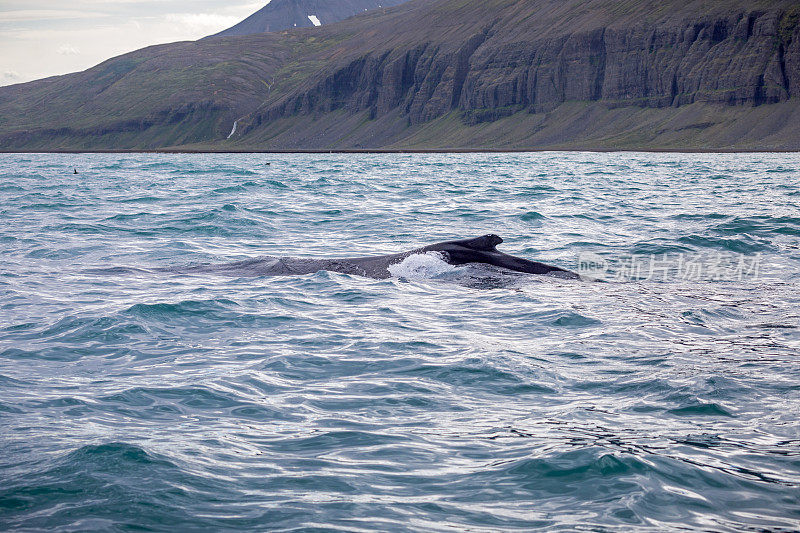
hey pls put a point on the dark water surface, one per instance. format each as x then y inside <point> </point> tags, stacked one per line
<point>442,399</point>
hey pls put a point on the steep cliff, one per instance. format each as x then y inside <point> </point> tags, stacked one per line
<point>744,57</point>
<point>449,74</point>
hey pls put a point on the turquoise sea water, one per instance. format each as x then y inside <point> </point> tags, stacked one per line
<point>443,399</point>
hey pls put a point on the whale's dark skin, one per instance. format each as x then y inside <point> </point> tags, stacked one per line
<point>477,250</point>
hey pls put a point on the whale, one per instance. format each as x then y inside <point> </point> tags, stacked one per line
<point>479,250</point>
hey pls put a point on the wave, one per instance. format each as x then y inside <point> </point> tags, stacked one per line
<point>139,200</point>
<point>186,308</point>
<point>742,245</point>
<point>75,330</point>
<point>701,409</point>
<point>95,486</point>
<point>765,226</point>
<point>532,216</point>
<point>222,170</point>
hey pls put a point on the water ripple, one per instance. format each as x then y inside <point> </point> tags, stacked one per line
<point>444,399</point>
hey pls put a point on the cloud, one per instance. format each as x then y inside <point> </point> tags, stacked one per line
<point>68,50</point>
<point>40,38</point>
<point>35,15</point>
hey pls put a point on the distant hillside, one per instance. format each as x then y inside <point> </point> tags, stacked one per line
<point>440,74</point>
<point>287,14</point>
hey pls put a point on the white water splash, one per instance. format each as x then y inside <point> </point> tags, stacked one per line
<point>421,266</point>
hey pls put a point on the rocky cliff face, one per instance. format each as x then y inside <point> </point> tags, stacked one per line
<point>747,58</point>
<point>446,74</point>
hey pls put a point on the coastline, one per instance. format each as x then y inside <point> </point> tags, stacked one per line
<point>413,151</point>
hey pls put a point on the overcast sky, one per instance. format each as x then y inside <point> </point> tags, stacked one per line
<point>40,38</point>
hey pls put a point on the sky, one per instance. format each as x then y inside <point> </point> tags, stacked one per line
<point>40,38</point>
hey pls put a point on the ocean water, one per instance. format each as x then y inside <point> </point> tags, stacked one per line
<point>660,392</point>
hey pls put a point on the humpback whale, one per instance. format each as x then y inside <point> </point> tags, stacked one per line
<point>478,250</point>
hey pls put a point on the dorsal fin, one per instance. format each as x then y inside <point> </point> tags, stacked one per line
<point>486,243</point>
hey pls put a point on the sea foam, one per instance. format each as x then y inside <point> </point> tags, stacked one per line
<point>421,266</point>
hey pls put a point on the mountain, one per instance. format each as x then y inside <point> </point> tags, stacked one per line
<point>287,14</point>
<point>445,74</point>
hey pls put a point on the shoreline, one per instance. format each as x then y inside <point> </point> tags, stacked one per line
<point>409,151</point>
